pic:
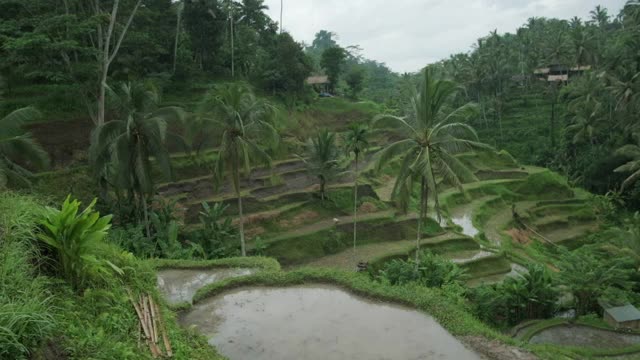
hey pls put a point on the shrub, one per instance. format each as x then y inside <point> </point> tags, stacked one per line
<point>545,184</point>
<point>431,271</point>
<point>132,238</point>
<point>530,296</point>
<point>76,239</point>
<point>218,236</point>
<point>334,242</point>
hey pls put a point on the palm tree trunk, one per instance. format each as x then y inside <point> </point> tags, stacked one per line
<point>553,121</point>
<point>322,183</point>
<point>420,219</point>
<point>233,55</point>
<point>355,212</point>
<point>143,201</point>
<point>177,40</point>
<point>242,244</point>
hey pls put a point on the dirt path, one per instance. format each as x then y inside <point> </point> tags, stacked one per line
<point>497,350</point>
<point>344,260</point>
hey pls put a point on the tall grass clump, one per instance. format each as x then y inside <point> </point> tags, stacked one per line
<point>25,308</point>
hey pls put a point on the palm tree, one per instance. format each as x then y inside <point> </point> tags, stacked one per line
<point>588,275</point>
<point>431,134</point>
<point>18,147</point>
<point>633,166</point>
<point>245,125</point>
<point>586,120</point>
<point>323,160</point>
<point>121,150</point>
<point>356,142</point>
<point>599,16</point>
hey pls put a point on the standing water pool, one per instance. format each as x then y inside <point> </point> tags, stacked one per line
<point>318,322</point>
<point>180,285</point>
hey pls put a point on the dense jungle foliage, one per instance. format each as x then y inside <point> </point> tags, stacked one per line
<point>139,134</point>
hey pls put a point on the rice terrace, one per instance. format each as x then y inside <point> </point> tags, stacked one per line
<point>195,179</point>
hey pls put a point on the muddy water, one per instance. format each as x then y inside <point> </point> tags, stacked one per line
<point>576,335</point>
<point>462,216</point>
<point>464,221</point>
<point>319,322</point>
<point>471,255</point>
<point>179,285</point>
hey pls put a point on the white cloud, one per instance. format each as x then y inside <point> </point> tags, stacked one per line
<point>408,34</point>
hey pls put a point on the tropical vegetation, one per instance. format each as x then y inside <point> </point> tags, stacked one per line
<point>496,190</point>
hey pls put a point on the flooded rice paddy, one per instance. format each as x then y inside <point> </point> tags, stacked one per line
<point>180,285</point>
<point>577,335</point>
<point>319,322</point>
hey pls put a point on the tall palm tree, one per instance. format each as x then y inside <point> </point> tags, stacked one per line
<point>322,158</point>
<point>586,119</point>
<point>245,125</point>
<point>356,142</point>
<point>633,166</point>
<point>599,16</point>
<point>18,147</point>
<point>432,134</point>
<point>121,150</point>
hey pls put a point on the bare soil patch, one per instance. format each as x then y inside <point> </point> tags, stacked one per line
<point>367,208</point>
<point>520,236</point>
<point>302,218</point>
<point>497,350</point>
<point>64,141</point>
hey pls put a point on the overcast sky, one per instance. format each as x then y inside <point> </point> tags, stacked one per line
<point>408,34</point>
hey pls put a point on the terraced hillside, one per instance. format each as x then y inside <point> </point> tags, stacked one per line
<point>487,229</point>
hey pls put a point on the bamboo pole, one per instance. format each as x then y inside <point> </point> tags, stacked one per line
<point>151,325</point>
<point>154,324</point>
<point>165,338</point>
<point>140,316</point>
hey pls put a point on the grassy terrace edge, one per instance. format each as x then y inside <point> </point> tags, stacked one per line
<point>258,262</point>
<point>575,350</point>
<point>434,302</point>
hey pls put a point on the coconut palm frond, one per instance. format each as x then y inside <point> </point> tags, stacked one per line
<point>18,147</point>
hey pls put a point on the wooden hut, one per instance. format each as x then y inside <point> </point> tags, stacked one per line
<point>319,83</point>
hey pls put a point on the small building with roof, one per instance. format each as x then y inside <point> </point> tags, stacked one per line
<point>559,73</point>
<point>319,82</point>
<point>627,316</point>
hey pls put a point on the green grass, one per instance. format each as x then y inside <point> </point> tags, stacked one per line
<point>25,308</point>
<point>545,185</point>
<point>487,266</point>
<point>305,247</point>
<point>263,263</point>
<point>55,102</point>
<point>488,160</point>
<point>577,351</point>
<point>441,247</point>
<point>37,307</point>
